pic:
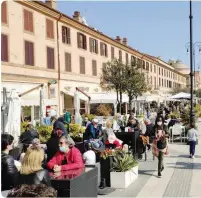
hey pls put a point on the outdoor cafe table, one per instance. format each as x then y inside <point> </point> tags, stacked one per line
<point>76,183</point>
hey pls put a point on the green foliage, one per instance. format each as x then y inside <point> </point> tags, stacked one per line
<point>103,110</point>
<point>185,117</point>
<point>44,132</point>
<point>23,126</point>
<point>175,113</point>
<point>123,161</point>
<point>89,116</point>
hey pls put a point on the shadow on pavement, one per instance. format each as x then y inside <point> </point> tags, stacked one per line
<point>186,165</point>
<point>146,172</point>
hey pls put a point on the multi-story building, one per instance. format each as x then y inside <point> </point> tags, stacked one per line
<point>43,47</point>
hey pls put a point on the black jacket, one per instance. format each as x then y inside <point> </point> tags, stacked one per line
<point>39,177</point>
<point>28,136</point>
<point>9,172</point>
<point>60,125</point>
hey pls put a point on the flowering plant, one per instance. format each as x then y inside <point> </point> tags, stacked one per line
<point>107,153</point>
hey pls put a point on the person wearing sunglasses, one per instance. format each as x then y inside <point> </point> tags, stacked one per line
<point>67,158</point>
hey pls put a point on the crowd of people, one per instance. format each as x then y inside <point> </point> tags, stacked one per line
<point>60,153</point>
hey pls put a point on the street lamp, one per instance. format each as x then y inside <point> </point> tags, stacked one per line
<point>191,62</point>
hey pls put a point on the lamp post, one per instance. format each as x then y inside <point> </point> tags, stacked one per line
<point>191,62</point>
<point>196,45</point>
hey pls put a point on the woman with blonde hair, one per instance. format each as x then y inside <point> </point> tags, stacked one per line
<point>31,171</point>
<point>109,137</point>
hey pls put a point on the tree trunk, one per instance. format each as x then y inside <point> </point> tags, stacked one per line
<point>120,101</point>
<point>130,104</point>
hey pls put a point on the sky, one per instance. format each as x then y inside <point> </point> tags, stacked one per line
<point>156,28</point>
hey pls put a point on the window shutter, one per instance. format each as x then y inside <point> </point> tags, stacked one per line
<point>26,16</point>
<point>26,47</point>
<point>30,15</point>
<point>68,62</point>
<point>31,51</point>
<point>47,29</point>
<point>52,58</point>
<point>96,47</point>
<point>63,34</point>
<point>106,52</point>
<point>68,36</point>
<point>90,44</point>
<point>85,42</point>
<point>4,12</point>
<point>4,48</point>
<point>78,40</point>
<point>101,48</point>
<point>83,65</point>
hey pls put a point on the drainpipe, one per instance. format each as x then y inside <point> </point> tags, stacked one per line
<point>58,56</point>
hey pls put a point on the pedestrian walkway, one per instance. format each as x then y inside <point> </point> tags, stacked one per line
<point>181,177</point>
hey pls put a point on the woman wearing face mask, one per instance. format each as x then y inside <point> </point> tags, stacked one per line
<point>67,158</point>
<point>160,133</point>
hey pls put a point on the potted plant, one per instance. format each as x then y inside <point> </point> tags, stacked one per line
<point>124,170</point>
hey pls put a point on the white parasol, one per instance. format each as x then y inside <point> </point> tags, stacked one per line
<point>78,118</point>
<point>14,112</point>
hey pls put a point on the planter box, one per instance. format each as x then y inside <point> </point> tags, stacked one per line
<point>123,179</point>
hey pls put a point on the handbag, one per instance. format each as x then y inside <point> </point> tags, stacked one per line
<point>162,143</point>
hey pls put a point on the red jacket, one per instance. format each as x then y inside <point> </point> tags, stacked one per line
<point>74,160</point>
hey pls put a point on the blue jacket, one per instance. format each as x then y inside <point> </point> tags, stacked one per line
<point>91,132</point>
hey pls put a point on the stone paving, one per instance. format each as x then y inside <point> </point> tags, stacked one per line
<point>181,177</point>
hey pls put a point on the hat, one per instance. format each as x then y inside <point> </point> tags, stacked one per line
<point>95,120</point>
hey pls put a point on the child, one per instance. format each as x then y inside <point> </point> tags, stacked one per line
<point>192,137</point>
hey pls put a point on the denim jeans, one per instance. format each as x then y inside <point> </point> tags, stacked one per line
<point>97,144</point>
<point>192,147</point>
<point>160,161</point>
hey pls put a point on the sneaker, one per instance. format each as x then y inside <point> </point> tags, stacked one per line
<point>159,174</point>
<point>193,157</point>
<point>190,156</point>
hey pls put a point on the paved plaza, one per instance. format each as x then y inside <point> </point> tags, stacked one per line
<point>181,177</point>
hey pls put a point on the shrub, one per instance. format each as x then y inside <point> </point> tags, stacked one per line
<point>44,133</point>
<point>89,116</point>
<point>23,126</point>
<point>103,110</point>
<point>175,113</point>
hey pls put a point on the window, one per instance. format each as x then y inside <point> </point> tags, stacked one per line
<point>162,71</point>
<point>120,55</point>
<point>155,82</point>
<point>94,68</point>
<point>29,53</point>
<point>82,65</point>
<point>103,49</point>
<point>49,29</point>
<point>50,58</point>
<point>147,66</point>
<point>65,35</point>
<point>4,18</point>
<point>162,82</point>
<point>126,58</point>
<point>67,62</point>
<point>151,80</point>
<point>159,82</point>
<point>143,64</point>
<point>93,45</point>
<point>81,41</point>
<point>28,21</point>
<point>4,48</point>
<point>133,60</point>
<point>154,68</point>
<point>112,52</point>
<point>159,70</point>
<point>151,67</point>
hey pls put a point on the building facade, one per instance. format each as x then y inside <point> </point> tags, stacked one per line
<point>41,45</point>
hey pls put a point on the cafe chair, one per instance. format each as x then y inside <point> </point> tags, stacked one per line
<point>176,130</point>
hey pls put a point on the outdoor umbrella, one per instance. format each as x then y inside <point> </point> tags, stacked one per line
<point>13,124</point>
<point>181,95</point>
<point>78,118</point>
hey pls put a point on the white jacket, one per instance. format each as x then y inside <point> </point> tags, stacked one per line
<point>192,134</point>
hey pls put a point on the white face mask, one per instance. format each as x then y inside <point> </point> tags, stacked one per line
<point>159,123</point>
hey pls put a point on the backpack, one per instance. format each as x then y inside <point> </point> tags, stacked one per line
<point>162,143</point>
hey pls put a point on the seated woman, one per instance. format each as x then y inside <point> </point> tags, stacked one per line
<point>9,171</point>
<point>67,158</point>
<point>31,171</point>
<point>109,137</point>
